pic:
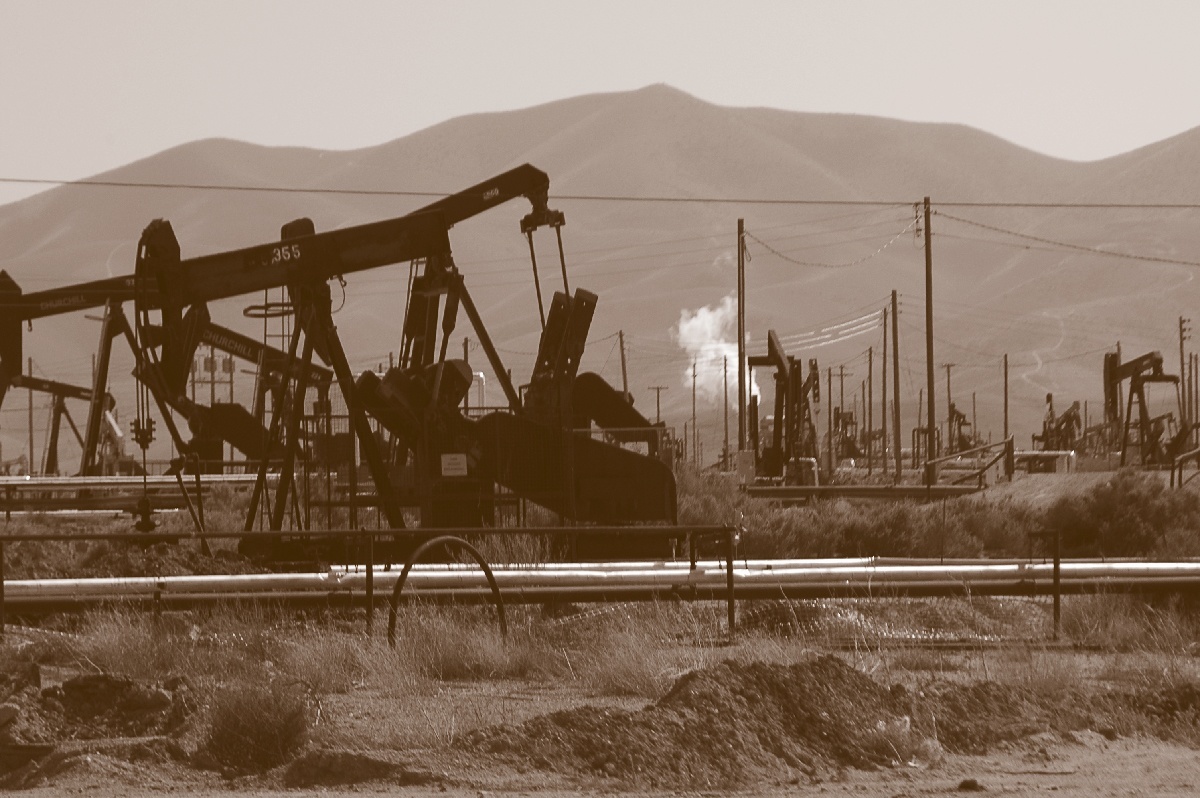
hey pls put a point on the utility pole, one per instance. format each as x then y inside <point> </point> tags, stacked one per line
<point>868,405</point>
<point>695,434</point>
<point>658,389</point>
<point>1191,389</point>
<point>741,332</point>
<point>32,459</point>
<point>949,399</point>
<point>930,450</point>
<point>1195,387</point>
<point>1183,336</point>
<point>624,370</point>
<point>1006,396</point>
<point>920,411</point>
<point>861,419</point>
<point>1120,394</point>
<point>896,383</point>
<point>725,413</point>
<point>883,394</point>
<point>842,389</point>
<point>829,419</point>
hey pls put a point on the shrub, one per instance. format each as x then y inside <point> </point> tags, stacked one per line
<point>1130,515</point>
<point>255,726</point>
<point>464,644</point>
<point>326,663</point>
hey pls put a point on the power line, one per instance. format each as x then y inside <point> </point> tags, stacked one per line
<point>1074,247</point>
<point>863,259</point>
<point>867,203</point>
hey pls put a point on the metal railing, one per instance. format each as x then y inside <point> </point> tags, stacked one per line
<point>1177,463</point>
<point>1006,454</point>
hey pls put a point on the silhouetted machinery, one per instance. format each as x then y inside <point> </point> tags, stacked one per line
<point>791,454</point>
<point>210,426</point>
<point>538,449</point>
<point>111,457</point>
<point>1060,433</point>
<point>845,435</point>
<point>1156,439</point>
<point>440,465</point>
<point>960,437</point>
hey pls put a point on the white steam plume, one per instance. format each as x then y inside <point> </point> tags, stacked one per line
<point>708,335</point>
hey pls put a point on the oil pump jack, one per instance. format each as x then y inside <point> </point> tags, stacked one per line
<point>111,436</point>
<point>1158,438</point>
<point>449,464</point>
<point>533,449</point>
<point>791,455</point>
<point>209,425</point>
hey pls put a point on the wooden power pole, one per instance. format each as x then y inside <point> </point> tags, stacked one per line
<point>930,450</point>
<point>741,332</point>
<point>896,384</point>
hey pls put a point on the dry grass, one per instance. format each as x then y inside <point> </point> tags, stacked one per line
<point>1126,623</point>
<point>254,726</point>
<point>433,682</point>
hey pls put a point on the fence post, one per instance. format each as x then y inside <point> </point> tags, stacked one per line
<point>731,539</point>
<point>1,590</point>
<point>1057,582</point>
<point>370,582</point>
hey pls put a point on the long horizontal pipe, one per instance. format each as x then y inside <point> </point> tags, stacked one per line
<point>523,583</point>
<point>60,483</point>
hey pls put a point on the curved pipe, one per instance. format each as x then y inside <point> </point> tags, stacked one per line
<point>445,540</point>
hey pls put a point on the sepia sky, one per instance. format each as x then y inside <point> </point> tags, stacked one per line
<point>90,86</point>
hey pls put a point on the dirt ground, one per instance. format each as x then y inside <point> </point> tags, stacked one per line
<point>826,723</point>
<point>1124,768</point>
<point>817,726</point>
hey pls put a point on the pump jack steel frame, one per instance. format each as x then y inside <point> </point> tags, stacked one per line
<point>304,261</point>
<point>793,434</point>
<point>1141,371</point>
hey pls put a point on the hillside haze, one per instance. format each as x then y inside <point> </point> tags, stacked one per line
<point>1052,309</point>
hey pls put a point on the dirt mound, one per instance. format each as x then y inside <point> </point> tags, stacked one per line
<point>330,768</point>
<point>720,726</point>
<point>735,723</point>
<point>93,707</point>
<point>973,719</point>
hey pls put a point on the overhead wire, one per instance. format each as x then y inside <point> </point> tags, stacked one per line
<point>816,264</point>
<point>1048,244</point>
<point>1070,246</point>
<point>871,203</point>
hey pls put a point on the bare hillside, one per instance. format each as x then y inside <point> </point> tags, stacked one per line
<point>1052,309</point>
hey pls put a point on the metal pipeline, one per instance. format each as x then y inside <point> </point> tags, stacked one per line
<point>64,483</point>
<point>758,579</point>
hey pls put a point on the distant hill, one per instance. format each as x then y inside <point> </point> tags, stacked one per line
<point>1052,309</point>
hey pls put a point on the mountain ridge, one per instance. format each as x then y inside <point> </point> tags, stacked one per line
<point>652,261</point>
